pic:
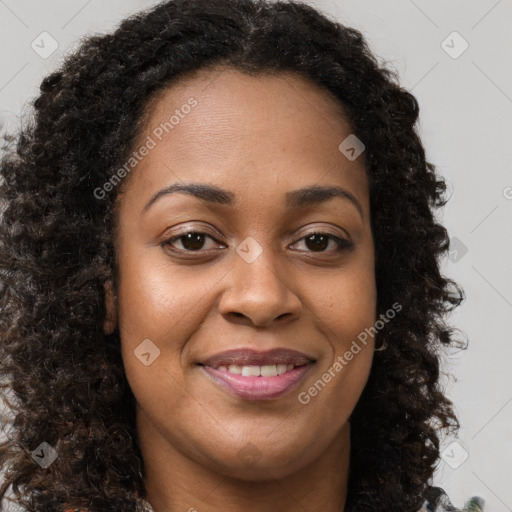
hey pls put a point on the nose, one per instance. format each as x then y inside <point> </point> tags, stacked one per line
<point>258,294</point>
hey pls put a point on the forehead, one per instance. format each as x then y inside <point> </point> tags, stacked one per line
<point>229,128</point>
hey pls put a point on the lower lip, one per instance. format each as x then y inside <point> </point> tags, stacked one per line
<point>258,388</point>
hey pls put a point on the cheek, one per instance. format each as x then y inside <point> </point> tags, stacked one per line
<point>156,301</point>
<point>157,314</point>
<point>345,312</point>
<point>346,305</point>
<point>163,305</point>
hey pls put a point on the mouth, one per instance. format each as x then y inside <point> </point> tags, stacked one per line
<point>268,370</point>
<point>253,375</point>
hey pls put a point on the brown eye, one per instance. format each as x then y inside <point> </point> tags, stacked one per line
<point>190,241</point>
<point>319,242</point>
<point>193,241</point>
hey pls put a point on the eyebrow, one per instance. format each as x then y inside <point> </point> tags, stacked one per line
<point>306,196</point>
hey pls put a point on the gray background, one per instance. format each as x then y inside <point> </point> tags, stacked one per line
<point>466,124</point>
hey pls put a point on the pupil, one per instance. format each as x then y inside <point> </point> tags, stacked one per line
<point>318,242</point>
<point>193,241</point>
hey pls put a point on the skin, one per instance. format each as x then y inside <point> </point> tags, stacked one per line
<point>258,137</point>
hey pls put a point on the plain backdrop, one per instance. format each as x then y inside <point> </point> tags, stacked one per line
<point>455,56</point>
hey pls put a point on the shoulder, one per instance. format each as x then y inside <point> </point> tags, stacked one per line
<point>436,500</point>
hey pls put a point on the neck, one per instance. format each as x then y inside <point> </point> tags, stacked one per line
<point>174,482</point>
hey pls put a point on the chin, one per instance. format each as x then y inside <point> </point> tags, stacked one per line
<point>256,464</point>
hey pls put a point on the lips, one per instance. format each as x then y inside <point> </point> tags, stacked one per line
<point>254,375</point>
<point>248,357</point>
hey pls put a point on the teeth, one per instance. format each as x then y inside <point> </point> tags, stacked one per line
<point>281,368</point>
<point>268,371</point>
<point>251,371</point>
<point>257,371</point>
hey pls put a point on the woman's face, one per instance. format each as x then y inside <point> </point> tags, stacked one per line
<point>251,278</point>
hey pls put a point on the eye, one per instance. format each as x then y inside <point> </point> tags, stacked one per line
<point>318,241</point>
<point>190,241</point>
<point>195,241</point>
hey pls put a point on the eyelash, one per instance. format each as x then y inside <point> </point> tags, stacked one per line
<point>342,243</point>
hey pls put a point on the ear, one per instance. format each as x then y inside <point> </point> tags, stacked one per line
<point>109,322</point>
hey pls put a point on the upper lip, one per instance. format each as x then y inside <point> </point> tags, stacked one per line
<point>249,357</point>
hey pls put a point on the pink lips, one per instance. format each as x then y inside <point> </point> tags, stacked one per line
<point>252,387</point>
<point>248,357</point>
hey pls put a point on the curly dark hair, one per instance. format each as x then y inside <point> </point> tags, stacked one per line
<point>56,252</point>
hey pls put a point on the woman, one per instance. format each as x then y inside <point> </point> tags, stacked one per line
<point>221,273</point>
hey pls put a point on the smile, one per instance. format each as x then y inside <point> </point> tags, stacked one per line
<point>258,382</point>
<point>257,371</point>
<point>257,375</point>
